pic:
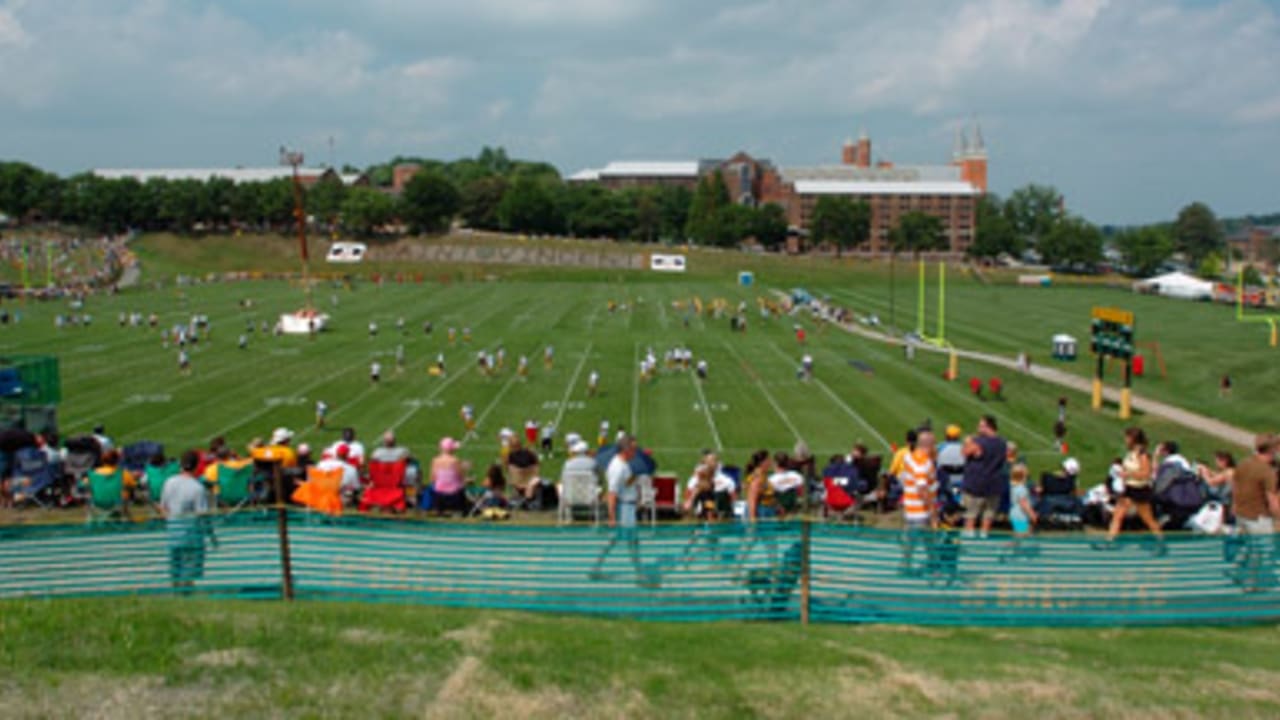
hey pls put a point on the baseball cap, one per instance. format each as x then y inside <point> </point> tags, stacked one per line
<point>1071,466</point>
<point>448,445</point>
<point>579,447</point>
<point>281,435</point>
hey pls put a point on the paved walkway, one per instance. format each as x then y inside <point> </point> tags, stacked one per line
<point>1193,420</point>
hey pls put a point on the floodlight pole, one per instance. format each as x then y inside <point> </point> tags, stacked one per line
<point>294,159</point>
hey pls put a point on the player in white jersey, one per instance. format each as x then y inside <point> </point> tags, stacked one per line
<point>468,415</point>
<point>593,384</point>
<point>548,357</point>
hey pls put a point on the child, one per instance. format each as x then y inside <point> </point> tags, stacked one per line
<point>1022,516</point>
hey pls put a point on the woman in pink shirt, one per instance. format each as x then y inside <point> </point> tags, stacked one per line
<point>448,480</point>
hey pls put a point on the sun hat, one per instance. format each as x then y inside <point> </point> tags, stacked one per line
<point>281,435</point>
<point>448,445</point>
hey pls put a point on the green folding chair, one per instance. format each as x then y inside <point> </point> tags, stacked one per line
<point>236,486</point>
<point>157,476</point>
<point>106,495</point>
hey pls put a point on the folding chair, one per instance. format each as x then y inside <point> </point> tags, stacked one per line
<point>34,478</point>
<point>666,494</point>
<point>237,487</point>
<point>648,500</point>
<point>837,502</point>
<point>155,476</point>
<point>106,494</point>
<point>322,491</point>
<point>579,489</point>
<point>386,487</point>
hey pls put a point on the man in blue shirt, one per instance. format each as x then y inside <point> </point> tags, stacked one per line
<point>984,470</point>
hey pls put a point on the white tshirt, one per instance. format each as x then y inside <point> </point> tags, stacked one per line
<point>350,479</point>
<point>786,480</point>
<point>617,475</point>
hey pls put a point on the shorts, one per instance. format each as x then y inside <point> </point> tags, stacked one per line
<point>1021,525</point>
<point>1259,526</point>
<point>1141,495</point>
<point>186,561</point>
<point>976,505</point>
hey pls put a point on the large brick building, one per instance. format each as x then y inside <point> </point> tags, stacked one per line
<point>949,191</point>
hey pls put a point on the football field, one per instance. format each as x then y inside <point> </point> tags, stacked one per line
<point>863,390</point>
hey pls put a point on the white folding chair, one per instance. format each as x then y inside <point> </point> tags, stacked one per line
<point>579,489</point>
<point>648,498</point>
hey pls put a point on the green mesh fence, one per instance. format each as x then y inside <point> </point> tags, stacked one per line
<point>775,571</point>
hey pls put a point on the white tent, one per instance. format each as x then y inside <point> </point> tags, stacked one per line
<point>1177,285</point>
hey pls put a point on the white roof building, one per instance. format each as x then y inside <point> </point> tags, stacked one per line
<point>884,187</point>
<point>235,175</point>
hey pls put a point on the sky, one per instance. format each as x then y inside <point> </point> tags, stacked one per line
<point>1132,108</point>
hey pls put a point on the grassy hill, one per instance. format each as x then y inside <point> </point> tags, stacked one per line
<point>165,658</point>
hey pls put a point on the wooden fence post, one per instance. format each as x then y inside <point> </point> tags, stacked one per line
<point>805,546</point>
<point>282,528</point>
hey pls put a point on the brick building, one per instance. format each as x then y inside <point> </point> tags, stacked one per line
<point>949,191</point>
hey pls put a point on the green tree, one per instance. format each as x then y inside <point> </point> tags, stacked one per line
<point>1033,211</point>
<point>1072,242</point>
<point>1144,249</point>
<point>25,189</point>
<point>673,206</point>
<point>841,221</point>
<point>325,199</point>
<point>1252,278</point>
<point>365,209</point>
<point>706,219</point>
<point>1210,267</point>
<point>429,202</point>
<point>479,202</point>
<point>1197,232</point>
<point>276,204</point>
<point>995,234</point>
<point>918,232</point>
<point>770,228</point>
<point>529,206</point>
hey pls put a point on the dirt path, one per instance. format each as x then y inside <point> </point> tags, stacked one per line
<point>1195,421</point>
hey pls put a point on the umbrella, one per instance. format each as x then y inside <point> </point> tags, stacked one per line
<point>642,464</point>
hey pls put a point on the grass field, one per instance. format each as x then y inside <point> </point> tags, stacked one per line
<point>124,378</point>
<point>165,658</point>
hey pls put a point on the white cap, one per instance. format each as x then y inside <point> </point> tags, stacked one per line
<point>578,447</point>
<point>506,433</point>
<point>281,435</point>
<point>1071,466</point>
<point>572,438</point>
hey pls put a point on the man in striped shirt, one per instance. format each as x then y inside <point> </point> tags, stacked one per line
<point>919,484</point>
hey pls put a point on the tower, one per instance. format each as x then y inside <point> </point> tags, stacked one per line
<point>848,153</point>
<point>863,155</point>
<point>970,155</point>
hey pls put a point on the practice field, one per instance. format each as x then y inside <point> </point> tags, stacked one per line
<point>863,390</point>
<point>167,658</point>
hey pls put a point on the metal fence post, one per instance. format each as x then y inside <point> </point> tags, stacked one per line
<point>805,546</point>
<point>282,528</point>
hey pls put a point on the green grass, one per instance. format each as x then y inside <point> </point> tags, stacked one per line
<point>123,377</point>
<point>162,658</point>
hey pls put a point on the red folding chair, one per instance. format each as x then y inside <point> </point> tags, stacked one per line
<point>386,486</point>
<point>838,501</point>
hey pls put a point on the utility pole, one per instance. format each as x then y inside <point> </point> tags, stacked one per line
<point>294,159</point>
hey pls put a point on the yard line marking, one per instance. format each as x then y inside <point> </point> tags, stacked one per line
<point>706,410</point>
<point>635,394</point>
<point>299,392</point>
<point>432,396</point>
<point>755,377</point>
<point>501,391</point>
<point>845,406</point>
<point>568,390</point>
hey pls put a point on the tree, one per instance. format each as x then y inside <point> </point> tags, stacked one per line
<point>25,189</point>
<point>1197,232</point>
<point>429,202</point>
<point>673,207</point>
<point>771,225</point>
<point>1251,277</point>
<point>479,202</point>
<point>994,233</point>
<point>529,206</point>
<point>1073,242</point>
<point>1210,267</point>
<point>364,210</point>
<point>841,221</point>
<point>1144,249</point>
<point>918,232</point>
<point>325,199</point>
<point>705,222</point>
<point>1033,211</point>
